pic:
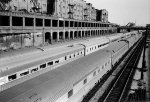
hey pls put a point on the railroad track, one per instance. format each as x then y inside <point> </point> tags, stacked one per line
<point>117,92</point>
<point>92,93</point>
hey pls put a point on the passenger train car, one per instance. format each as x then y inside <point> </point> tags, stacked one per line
<point>17,69</point>
<point>69,82</point>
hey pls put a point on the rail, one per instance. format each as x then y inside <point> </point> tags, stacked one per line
<point>91,94</point>
<point>117,92</point>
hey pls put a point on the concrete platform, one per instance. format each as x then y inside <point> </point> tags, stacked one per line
<point>148,73</point>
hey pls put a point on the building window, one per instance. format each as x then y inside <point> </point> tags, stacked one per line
<point>70,93</point>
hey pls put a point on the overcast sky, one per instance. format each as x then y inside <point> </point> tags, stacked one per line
<point>124,11</point>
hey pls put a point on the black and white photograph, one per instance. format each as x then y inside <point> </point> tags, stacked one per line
<point>74,50</point>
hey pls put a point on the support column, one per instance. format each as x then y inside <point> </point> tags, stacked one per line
<point>43,32</point>
<point>73,34</point>
<point>34,27</point>
<point>69,34</point>
<point>51,37</point>
<point>64,38</point>
<point>81,33</point>
<point>23,22</point>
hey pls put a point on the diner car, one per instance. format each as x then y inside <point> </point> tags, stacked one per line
<point>24,65</point>
<point>65,83</point>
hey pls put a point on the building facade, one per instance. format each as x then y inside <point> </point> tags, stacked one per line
<point>27,6</point>
<point>103,15</point>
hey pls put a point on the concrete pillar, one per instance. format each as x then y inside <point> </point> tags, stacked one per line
<point>34,29</point>
<point>69,34</point>
<point>51,36</point>
<point>64,35</point>
<point>81,33</point>
<point>43,32</point>
<point>73,34</point>
<point>23,28</point>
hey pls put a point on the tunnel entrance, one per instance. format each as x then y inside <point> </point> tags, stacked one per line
<point>54,36</point>
<point>75,34</point>
<point>71,35</point>
<point>61,36</point>
<point>48,38</point>
<point>67,35</point>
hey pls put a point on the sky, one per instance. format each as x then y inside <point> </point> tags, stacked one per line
<point>124,11</point>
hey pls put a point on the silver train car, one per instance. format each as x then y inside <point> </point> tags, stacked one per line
<point>20,68</point>
<point>69,82</point>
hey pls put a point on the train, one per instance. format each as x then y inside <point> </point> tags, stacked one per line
<point>70,82</point>
<point>21,66</point>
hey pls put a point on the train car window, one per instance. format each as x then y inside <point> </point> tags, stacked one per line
<point>65,57</point>
<point>94,73</point>
<point>24,73</point>
<point>78,53</point>
<point>85,81</point>
<point>95,47</point>
<point>34,70</point>
<point>74,55</point>
<point>102,67</point>
<point>70,56</point>
<point>70,93</point>
<point>57,61</point>
<point>106,64</point>
<point>50,63</point>
<point>12,77</point>
<point>42,66</point>
<point>98,70</point>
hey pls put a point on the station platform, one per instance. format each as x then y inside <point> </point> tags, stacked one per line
<point>145,83</point>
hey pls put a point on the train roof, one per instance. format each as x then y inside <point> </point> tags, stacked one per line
<point>58,81</point>
<point>113,37</point>
<point>99,40</point>
<point>11,65</point>
<point>32,50</point>
<point>115,46</point>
